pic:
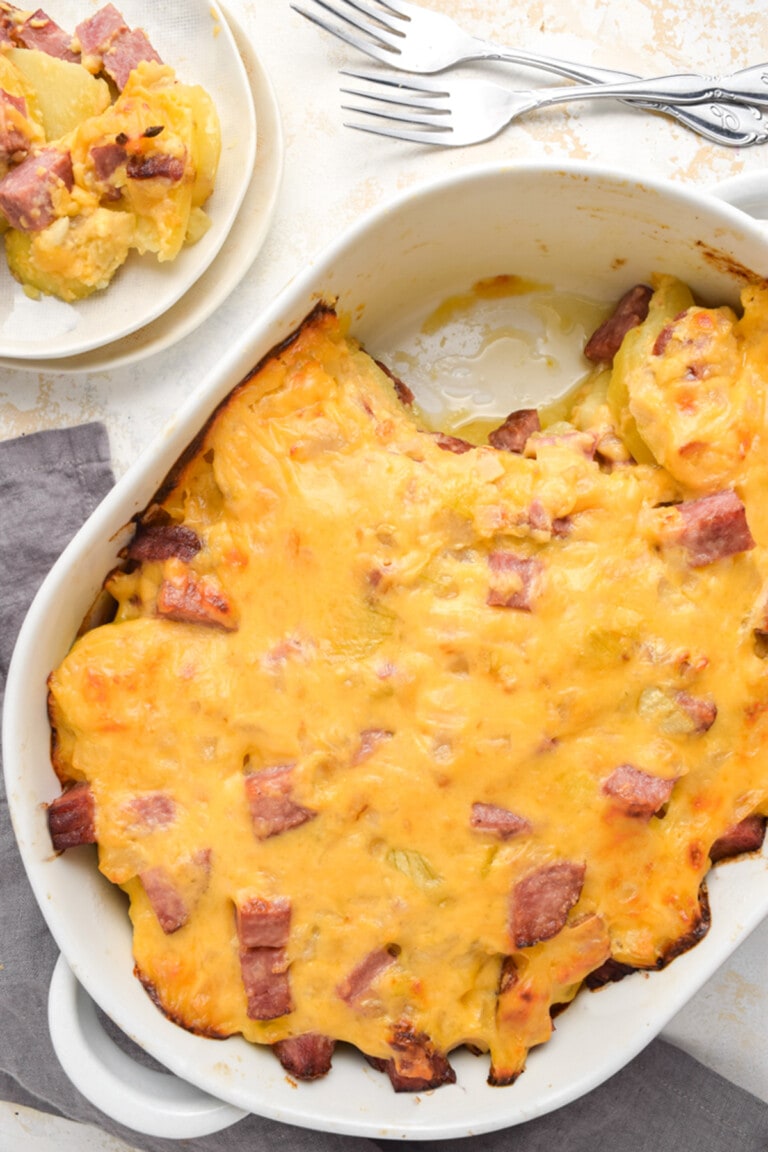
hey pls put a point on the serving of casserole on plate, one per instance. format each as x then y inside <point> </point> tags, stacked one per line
<point>132,148</point>
<point>396,738</point>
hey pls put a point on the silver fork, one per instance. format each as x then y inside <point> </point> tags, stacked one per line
<point>418,40</point>
<point>465,111</point>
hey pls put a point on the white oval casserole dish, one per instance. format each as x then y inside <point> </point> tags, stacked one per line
<point>583,229</point>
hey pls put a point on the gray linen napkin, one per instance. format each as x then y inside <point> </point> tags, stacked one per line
<point>663,1100</point>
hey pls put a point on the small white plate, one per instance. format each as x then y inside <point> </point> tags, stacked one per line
<point>237,253</point>
<point>195,38</point>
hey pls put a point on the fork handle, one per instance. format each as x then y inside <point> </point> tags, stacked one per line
<point>724,123</point>
<point>750,86</point>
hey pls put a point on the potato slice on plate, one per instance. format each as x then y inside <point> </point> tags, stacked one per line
<point>72,257</point>
<point>206,138</point>
<point>65,94</point>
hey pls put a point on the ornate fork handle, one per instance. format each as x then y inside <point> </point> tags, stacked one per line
<point>725,123</point>
<point>749,86</point>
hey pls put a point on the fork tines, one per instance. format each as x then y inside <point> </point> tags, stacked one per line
<point>353,12</point>
<point>394,91</point>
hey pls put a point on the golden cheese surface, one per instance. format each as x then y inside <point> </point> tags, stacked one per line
<point>416,734</point>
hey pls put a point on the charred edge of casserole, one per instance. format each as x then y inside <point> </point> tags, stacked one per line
<point>166,486</point>
<point>611,970</point>
<point>174,1017</point>
<point>503,1079</point>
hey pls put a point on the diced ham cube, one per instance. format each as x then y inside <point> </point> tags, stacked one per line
<point>630,311</point>
<point>126,50</point>
<point>356,986</point>
<point>712,527</point>
<point>162,541</point>
<point>264,923</point>
<point>511,436</point>
<point>540,902</point>
<point>174,892</point>
<point>188,599</point>
<point>500,821</point>
<point>273,809</point>
<point>515,580</point>
<point>27,192</point>
<point>94,34</point>
<point>637,793</point>
<point>307,1057</point>
<point>71,818</point>
<point>746,836</point>
<point>265,980</point>
<point>166,898</point>
<point>40,32</point>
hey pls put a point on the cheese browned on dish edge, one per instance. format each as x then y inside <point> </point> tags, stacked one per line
<point>396,739</point>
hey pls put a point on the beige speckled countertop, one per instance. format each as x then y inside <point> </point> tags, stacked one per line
<point>332,176</point>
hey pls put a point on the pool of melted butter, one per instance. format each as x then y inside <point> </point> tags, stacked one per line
<point>506,342</point>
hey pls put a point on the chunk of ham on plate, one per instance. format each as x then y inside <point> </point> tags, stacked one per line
<point>108,44</point>
<point>40,32</point>
<point>27,192</point>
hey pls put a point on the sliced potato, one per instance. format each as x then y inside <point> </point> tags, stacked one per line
<point>206,138</point>
<point>71,258</point>
<point>669,298</point>
<point>65,93</point>
<point>199,223</point>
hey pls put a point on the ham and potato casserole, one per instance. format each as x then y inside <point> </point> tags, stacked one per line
<point>400,740</point>
<point>103,151</point>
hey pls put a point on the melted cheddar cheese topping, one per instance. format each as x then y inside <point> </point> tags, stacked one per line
<point>417,739</point>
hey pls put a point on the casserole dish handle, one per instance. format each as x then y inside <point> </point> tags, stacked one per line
<point>154,1103</point>
<point>747,191</point>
